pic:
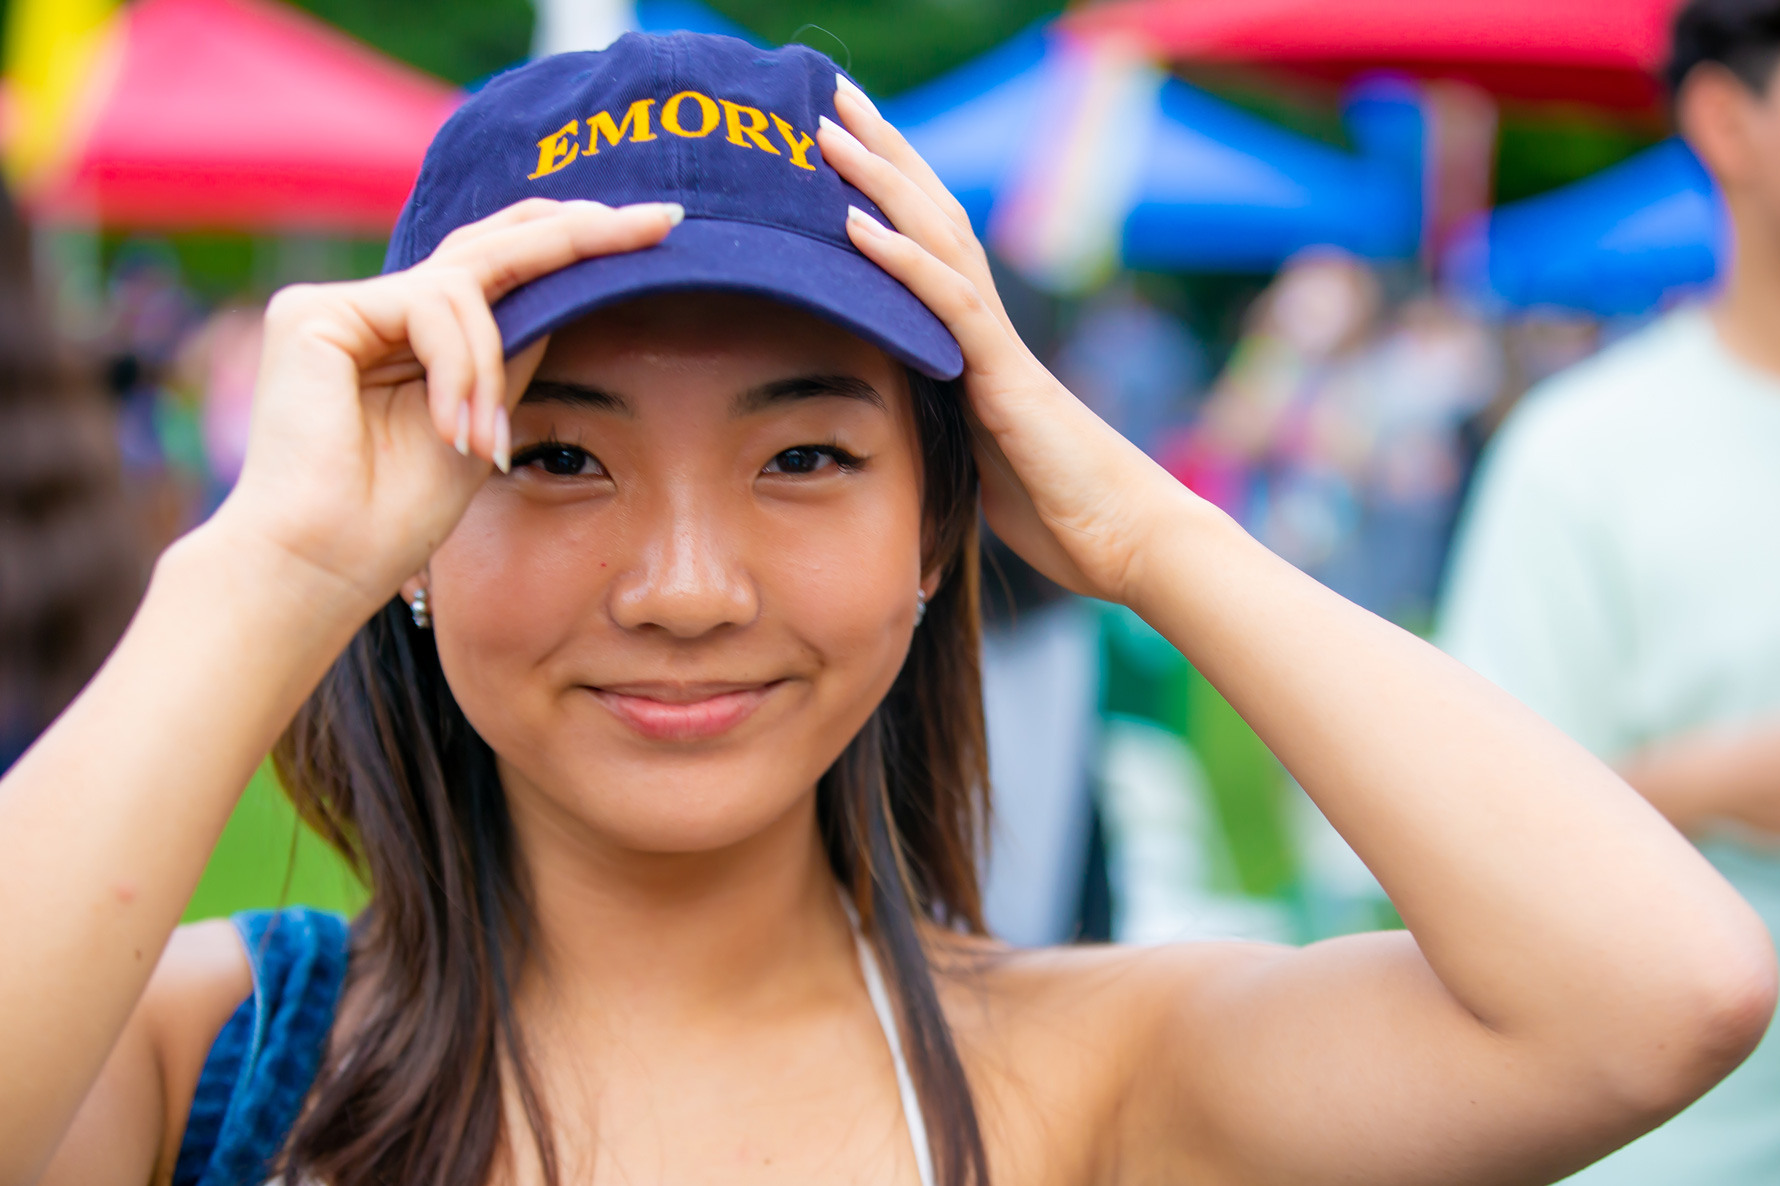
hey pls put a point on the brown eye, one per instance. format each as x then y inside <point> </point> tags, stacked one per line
<point>811,459</point>
<point>559,460</point>
<point>799,461</point>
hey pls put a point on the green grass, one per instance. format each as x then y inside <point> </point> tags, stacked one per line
<point>267,858</point>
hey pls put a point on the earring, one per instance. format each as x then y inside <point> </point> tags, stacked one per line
<point>920,605</point>
<point>420,611</point>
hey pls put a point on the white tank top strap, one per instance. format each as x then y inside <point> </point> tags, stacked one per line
<point>905,1083</point>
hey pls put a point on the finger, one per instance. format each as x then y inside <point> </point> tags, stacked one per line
<point>861,117</point>
<point>523,211</point>
<point>441,343</point>
<point>909,208</point>
<point>483,339</point>
<point>982,334</point>
<point>400,367</point>
<point>519,371</point>
<point>510,256</point>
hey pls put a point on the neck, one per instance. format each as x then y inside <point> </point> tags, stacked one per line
<point>680,936</point>
<point>1748,307</point>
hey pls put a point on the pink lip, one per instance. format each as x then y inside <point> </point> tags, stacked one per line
<point>683,713</point>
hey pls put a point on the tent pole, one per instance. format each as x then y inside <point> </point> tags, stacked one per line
<point>565,25</point>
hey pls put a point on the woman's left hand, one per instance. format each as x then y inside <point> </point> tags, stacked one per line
<point>1075,499</point>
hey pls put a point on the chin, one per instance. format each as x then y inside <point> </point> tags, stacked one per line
<point>672,803</point>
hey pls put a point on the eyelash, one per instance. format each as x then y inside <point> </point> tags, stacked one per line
<point>846,462</point>
<point>536,453</point>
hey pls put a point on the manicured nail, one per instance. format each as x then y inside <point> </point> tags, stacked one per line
<point>503,441</point>
<point>676,213</point>
<point>867,223</point>
<point>825,122</point>
<point>842,82</point>
<point>463,428</point>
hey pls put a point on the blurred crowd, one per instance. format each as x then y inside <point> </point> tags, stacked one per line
<point>1341,429</point>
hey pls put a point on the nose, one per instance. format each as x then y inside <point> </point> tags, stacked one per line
<point>688,579</point>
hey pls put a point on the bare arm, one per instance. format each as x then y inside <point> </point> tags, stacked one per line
<point>1713,776</point>
<point>350,483</point>
<point>1574,970</point>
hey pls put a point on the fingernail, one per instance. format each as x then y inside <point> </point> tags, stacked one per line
<point>463,429</point>
<point>825,122</point>
<point>676,213</point>
<point>842,82</point>
<point>866,222</point>
<point>503,441</point>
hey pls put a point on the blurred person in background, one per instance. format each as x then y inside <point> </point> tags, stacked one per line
<point>216,366</point>
<point>1336,432</point>
<point>1619,569</point>
<point>70,565</point>
<point>1254,451</point>
<point>149,315</point>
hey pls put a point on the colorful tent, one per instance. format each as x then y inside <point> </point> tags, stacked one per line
<point>1602,52</point>
<point>1040,139</point>
<point>1626,241</point>
<point>236,114</point>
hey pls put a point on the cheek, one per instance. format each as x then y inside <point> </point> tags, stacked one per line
<point>509,587</point>
<point>845,581</point>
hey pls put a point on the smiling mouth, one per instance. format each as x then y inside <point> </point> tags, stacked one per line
<point>683,712</point>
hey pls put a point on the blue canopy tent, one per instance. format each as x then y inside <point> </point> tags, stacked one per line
<point>1223,190</point>
<point>1624,241</point>
<point>1215,188</point>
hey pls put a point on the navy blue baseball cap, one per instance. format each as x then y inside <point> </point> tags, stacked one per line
<point>726,129</point>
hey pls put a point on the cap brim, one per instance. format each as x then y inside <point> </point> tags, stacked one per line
<point>704,254</point>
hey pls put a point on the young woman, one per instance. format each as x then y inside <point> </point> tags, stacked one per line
<point>650,711</point>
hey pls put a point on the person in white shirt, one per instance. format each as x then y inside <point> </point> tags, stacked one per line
<point>1619,566</point>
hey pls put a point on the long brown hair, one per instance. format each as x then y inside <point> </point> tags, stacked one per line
<point>383,763</point>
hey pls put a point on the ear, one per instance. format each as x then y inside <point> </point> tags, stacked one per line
<point>1714,111</point>
<point>414,584</point>
<point>930,584</point>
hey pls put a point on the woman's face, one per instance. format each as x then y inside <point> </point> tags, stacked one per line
<point>699,579</point>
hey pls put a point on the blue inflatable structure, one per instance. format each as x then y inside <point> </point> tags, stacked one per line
<point>1218,189</point>
<point>1626,241</point>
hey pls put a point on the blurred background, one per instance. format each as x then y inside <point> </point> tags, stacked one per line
<point>1308,256</point>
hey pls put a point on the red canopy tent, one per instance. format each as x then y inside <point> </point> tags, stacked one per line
<point>1602,52</point>
<point>245,115</point>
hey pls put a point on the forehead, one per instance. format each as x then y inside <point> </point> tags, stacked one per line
<point>717,335</point>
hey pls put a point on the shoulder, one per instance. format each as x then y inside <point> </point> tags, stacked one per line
<point>1611,404</point>
<point>1057,1039</point>
<point>203,978</point>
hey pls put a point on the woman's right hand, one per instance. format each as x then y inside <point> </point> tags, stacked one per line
<point>382,404</point>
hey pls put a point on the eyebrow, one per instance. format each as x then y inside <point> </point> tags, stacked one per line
<point>555,391</point>
<point>755,399</point>
<point>782,391</point>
